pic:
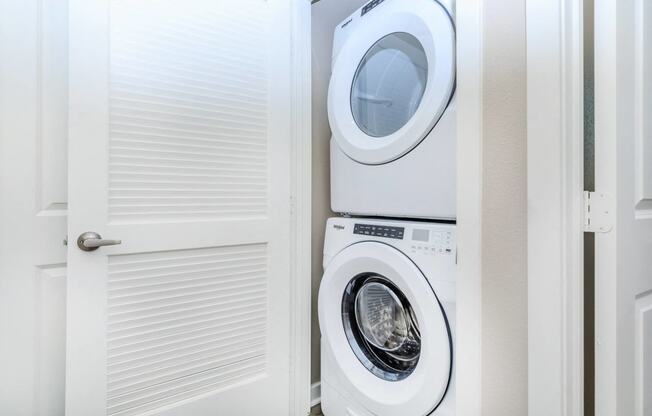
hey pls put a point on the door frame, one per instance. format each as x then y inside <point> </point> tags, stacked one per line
<point>555,145</point>
<point>301,206</point>
<point>470,73</point>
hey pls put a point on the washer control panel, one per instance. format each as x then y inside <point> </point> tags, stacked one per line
<point>377,230</point>
<point>431,242</point>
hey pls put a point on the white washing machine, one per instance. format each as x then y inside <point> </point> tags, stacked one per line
<point>391,109</point>
<point>387,318</point>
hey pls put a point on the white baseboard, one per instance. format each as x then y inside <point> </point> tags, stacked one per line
<point>315,394</point>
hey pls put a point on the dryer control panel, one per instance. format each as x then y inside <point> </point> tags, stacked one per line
<point>369,6</point>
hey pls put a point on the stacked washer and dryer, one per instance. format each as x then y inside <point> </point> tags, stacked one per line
<point>388,294</point>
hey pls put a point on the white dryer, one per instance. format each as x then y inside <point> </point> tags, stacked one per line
<point>392,112</point>
<point>387,318</point>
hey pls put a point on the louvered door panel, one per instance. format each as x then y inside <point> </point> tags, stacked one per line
<point>188,112</point>
<point>183,323</point>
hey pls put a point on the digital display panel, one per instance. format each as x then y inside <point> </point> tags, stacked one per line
<point>421,235</point>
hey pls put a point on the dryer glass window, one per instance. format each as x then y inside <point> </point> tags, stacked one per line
<point>389,84</point>
<point>381,327</point>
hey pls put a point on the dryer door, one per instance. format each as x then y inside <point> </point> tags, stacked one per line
<point>387,331</point>
<point>392,80</point>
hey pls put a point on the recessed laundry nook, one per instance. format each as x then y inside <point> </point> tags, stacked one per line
<point>325,208</point>
<point>386,305</point>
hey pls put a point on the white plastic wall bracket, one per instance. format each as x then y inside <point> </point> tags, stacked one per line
<point>598,212</point>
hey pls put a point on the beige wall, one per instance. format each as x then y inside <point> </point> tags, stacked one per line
<point>325,16</point>
<point>504,210</point>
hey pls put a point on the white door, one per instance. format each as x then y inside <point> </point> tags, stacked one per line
<point>180,148</point>
<point>623,105</point>
<point>33,195</point>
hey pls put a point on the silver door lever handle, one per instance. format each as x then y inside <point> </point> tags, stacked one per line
<point>91,241</point>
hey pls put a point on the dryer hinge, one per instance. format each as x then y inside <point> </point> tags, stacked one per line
<point>598,212</point>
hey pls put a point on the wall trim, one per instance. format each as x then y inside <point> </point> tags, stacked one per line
<point>300,261</point>
<point>555,207</point>
<point>470,70</point>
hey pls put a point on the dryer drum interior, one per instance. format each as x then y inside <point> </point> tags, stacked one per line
<point>389,84</point>
<point>381,327</point>
<point>393,78</point>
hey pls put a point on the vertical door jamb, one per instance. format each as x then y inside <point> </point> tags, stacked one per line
<point>555,207</point>
<point>301,207</point>
<point>470,70</point>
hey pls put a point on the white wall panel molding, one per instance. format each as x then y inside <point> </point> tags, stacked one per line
<point>643,108</point>
<point>52,108</point>
<point>643,359</point>
<point>50,333</point>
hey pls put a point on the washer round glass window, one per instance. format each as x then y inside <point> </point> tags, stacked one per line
<point>389,84</point>
<point>381,327</point>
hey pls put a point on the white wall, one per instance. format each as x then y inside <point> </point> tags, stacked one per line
<point>326,14</point>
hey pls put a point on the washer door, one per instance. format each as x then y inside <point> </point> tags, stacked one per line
<point>392,80</point>
<point>387,331</point>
